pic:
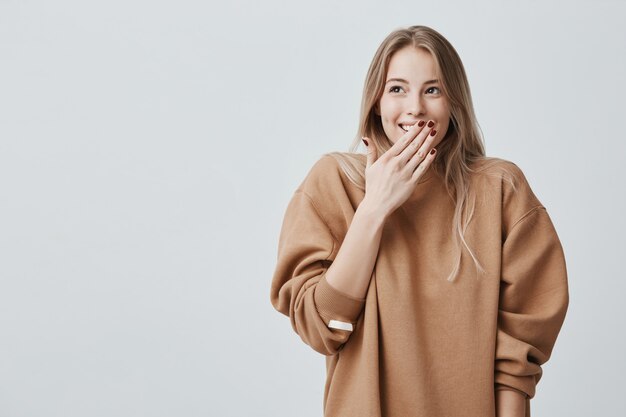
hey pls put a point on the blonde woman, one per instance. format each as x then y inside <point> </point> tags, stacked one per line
<point>429,275</point>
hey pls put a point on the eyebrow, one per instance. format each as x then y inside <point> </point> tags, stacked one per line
<point>406,82</point>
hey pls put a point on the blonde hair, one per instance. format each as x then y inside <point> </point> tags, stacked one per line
<point>460,148</point>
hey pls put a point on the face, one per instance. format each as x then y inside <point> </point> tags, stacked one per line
<point>412,96</point>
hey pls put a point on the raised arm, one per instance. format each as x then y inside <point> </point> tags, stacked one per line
<point>318,282</point>
<point>323,272</point>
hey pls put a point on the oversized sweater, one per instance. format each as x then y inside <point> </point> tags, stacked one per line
<point>419,345</point>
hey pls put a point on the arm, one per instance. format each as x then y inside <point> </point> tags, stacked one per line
<point>351,271</point>
<point>309,259</point>
<point>533,302</point>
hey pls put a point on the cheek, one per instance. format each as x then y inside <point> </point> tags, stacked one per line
<point>447,124</point>
<point>444,118</point>
<point>389,107</point>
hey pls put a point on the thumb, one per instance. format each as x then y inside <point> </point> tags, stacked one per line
<point>371,151</point>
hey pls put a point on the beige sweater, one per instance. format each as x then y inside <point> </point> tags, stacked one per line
<point>417,344</point>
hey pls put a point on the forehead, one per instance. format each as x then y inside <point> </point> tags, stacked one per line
<point>412,64</point>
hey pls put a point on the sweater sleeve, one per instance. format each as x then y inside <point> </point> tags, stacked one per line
<point>533,301</point>
<point>321,315</point>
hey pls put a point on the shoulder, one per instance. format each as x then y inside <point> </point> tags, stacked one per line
<point>332,192</point>
<point>498,170</point>
<point>514,190</point>
<point>328,177</point>
<point>496,167</point>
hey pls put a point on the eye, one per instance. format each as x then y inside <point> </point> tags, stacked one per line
<point>437,88</point>
<point>391,90</point>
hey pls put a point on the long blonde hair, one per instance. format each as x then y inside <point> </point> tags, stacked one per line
<point>458,150</point>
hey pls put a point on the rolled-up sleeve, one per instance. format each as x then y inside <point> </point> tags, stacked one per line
<point>321,315</point>
<point>533,301</point>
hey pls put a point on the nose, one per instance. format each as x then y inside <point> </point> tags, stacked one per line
<point>416,106</point>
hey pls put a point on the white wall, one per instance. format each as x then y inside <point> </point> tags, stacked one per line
<point>148,150</point>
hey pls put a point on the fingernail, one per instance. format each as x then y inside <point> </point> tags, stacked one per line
<point>431,123</point>
<point>421,123</point>
<point>432,132</point>
<point>365,141</point>
<point>433,151</point>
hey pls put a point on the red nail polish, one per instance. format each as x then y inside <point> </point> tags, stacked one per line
<point>421,123</point>
<point>431,123</point>
<point>364,141</point>
<point>433,151</point>
<point>432,132</point>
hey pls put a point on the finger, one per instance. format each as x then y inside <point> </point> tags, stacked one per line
<point>371,151</point>
<point>423,140</point>
<point>422,153</point>
<point>423,166</point>
<point>425,147</point>
<point>405,139</point>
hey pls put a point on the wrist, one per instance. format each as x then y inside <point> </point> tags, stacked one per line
<point>373,212</point>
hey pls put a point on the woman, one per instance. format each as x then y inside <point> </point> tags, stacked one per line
<point>430,275</point>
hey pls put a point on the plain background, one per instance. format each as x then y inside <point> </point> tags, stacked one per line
<point>148,150</point>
